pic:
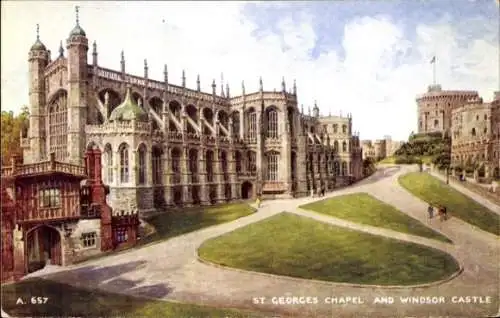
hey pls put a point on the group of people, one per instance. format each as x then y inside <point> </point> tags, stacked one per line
<point>442,212</point>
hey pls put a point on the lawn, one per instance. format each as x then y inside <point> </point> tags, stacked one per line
<point>173,223</point>
<point>365,209</point>
<point>67,301</point>
<point>168,225</point>
<point>432,190</point>
<point>292,245</point>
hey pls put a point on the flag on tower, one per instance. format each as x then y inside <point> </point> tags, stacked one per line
<point>433,60</point>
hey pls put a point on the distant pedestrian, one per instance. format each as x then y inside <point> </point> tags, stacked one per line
<point>445,213</point>
<point>430,210</point>
<point>323,192</point>
<point>441,213</point>
<point>258,201</point>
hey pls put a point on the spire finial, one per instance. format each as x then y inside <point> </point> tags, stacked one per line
<point>77,9</point>
<point>37,32</point>
<point>198,85</point>
<point>261,85</point>
<point>61,49</point>
<point>283,84</point>
<point>222,85</point>
<point>94,47</point>
<point>243,87</point>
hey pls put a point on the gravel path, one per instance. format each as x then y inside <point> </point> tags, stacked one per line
<point>170,270</point>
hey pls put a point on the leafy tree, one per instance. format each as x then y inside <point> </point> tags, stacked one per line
<point>12,127</point>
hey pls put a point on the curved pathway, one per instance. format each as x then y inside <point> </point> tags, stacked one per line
<point>170,270</point>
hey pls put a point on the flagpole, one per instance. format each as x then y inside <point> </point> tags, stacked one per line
<point>434,71</point>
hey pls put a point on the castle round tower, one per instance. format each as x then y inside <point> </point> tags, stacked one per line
<point>434,108</point>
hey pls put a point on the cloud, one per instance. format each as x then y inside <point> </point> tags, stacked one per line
<point>375,73</point>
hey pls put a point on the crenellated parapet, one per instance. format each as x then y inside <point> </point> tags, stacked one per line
<point>122,127</point>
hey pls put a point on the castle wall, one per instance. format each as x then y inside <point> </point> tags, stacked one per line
<point>475,135</point>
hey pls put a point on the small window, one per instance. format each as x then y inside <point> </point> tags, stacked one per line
<point>121,235</point>
<point>89,239</point>
<point>485,130</point>
<point>485,117</point>
<point>473,131</point>
<point>50,198</point>
<point>436,123</point>
<point>477,117</point>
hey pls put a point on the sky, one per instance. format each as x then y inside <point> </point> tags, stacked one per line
<point>367,58</point>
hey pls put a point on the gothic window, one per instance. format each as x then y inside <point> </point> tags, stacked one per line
<point>473,131</point>
<point>176,164</point>
<point>237,158</point>
<point>50,198</point>
<point>335,128</point>
<point>252,124</point>
<point>141,164</point>
<point>156,165</point>
<point>236,124</point>
<point>252,162</point>
<point>209,165</point>
<point>272,123</point>
<point>108,157</point>
<point>272,166</point>
<point>344,129</point>
<point>485,130</point>
<point>420,124</point>
<point>124,164</point>
<point>223,161</point>
<point>477,117</point>
<point>436,123</point>
<point>336,168</point>
<point>344,146</point>
<point>344,168</point>
<point>57,126</point>
<point>485,117</point>
<point>89,239</point>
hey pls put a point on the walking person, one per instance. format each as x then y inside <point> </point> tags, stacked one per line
<point>445,213</point>
<point>323,191</point>
<point>441,213</point>
<point>430,210</point>
<point>257,202</point>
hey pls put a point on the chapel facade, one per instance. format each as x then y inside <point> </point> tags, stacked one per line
<point>168,145</point>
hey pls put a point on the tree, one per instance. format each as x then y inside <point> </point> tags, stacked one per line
<point>12,127</point>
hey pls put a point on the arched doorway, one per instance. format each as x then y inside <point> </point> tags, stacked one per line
<point>246,190</point>
<point>43,247</point>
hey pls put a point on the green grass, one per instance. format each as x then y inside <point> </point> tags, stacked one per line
<point>291,245</point>
<point>65,300</point>
<point>365,209</point>
<point>392,159</point>
<point>168,225</point>
<point>388,160</point>
<point>164,226</point>
<point>436,192</point>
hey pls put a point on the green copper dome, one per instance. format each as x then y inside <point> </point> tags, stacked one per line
<point>38,46</point>
<point>77,31</point>
<point>129,110</point>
